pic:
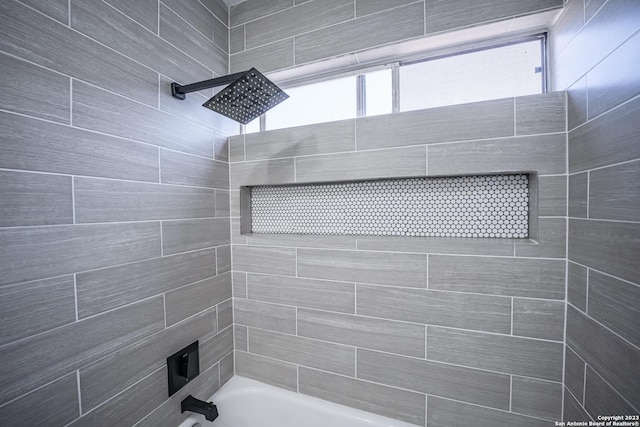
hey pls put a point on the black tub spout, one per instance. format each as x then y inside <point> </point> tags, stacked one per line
<point>208,409</point>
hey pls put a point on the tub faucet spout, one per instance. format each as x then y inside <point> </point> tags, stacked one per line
<point>208,409</point>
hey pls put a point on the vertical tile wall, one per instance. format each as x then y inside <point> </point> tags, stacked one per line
<point>114,211</point>
<point>596,50</point>
<point>443,331</point>
<point>279,34</point>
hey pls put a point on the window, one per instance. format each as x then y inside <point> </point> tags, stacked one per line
<point>515,68</point>
<point>379,92</point>
<point>512,70</point>
<point>326,101</point>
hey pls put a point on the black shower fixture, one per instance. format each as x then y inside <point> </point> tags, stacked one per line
<point>249,95</point>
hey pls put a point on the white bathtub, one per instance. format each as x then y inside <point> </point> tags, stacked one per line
<point>243,402</point>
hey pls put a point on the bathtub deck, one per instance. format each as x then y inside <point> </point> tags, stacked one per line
<point>243,402</point>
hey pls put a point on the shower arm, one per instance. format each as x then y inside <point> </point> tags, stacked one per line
<point>180,92</point>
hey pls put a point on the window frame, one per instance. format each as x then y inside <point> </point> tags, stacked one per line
<point>395,66</point>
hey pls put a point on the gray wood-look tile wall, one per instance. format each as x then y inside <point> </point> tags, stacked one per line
<point>114,209</point>
<point>593,45</point>
<point>99,163</point>
<point>415,316</point>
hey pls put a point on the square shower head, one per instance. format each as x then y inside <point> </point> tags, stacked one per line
<point>248,97</point>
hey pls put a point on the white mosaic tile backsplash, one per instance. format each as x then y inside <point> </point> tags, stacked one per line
<point>470,206</point>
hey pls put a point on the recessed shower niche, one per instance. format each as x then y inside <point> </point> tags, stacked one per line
<point>481,206</point>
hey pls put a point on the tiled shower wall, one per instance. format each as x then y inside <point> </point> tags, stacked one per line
<point>448,331</point>
<point>114,209</point>
<point>596,52</point>
<point>280,34</point>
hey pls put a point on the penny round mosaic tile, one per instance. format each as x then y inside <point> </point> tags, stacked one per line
<point>494,206</point>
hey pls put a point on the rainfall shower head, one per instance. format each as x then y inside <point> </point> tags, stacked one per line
<point>247,98</point>
<point>248,95</point>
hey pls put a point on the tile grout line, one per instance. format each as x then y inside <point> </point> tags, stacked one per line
<point>152,183</point>
<point>379,251</point>
<point>618,394</point>
<point>413,391</point>
<point>584,384</point>
<point>104,312</point>
<point>355,361</point>
<point>406,322</point>
<point>400,355</point>
<point>426,404</point>
<point>355,136</point>
<point>411,288</point>
<point>512,302</point>
<point>510,392</point>
<point>160,168</point>
<point>162,242</point>
<point>122,392</point>
<point>246,285</point>
<point>70,101</point>
<point>424,15</point>
<point>408,147</point>
<point>132,222</point>
<point>79,392</point>
<point>157,34</point>
<point>586,297</point>
<point>295,171</point>
<point>121,138</point>
<point>426,340</point>
<point>586,83</point>
<point>355,299</point>
<point>108,90</point>
<point>571,394</point>
<point>588,192</point>
<point>164,311</point>
<point>426,158</point>
<point>40,387</point>
<point>293,48</point>
<point>75,293</point>
<point>591,119</point>
<point>427,272</point>
<point>325,27</point>
<point>183,19</point>
<point>515,119</point>
<point>121,53</point>
<point>73,200</point>
<point>613,221</point>
<point>244,38</point>
<point>566,257</point>
<point>244,153</point>
<point>215,307</point>
<point>597,168</point>
<point>100,313</point>
<point>607,328</point>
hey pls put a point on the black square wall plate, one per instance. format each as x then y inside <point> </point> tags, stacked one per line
<point>182,367</point>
